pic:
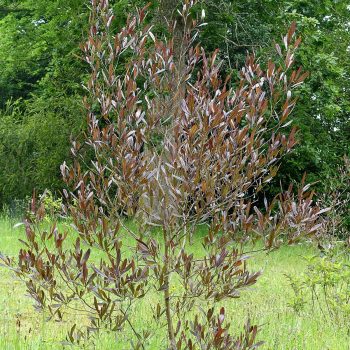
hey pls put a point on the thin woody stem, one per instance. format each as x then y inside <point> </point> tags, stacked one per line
<point>169,320</point>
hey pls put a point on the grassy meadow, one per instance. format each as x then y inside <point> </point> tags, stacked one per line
<point>267,304</point>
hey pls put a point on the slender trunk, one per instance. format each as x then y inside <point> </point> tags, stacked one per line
<point>167,11</point>
<point>171,333</point>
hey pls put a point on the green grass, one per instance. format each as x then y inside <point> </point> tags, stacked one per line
<point>21,327</point>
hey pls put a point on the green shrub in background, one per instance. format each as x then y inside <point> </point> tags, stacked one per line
<point>325,286</point>
<point>32,148</point>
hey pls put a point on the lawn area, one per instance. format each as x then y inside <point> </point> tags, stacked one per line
<point>21,327</point>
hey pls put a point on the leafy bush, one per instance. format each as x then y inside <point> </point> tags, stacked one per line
<point>32,148</point>
<point>326,284</point>
<point>215,149</point>
<point>337,197</point>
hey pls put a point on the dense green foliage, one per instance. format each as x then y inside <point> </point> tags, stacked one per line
<point>41,78</point>
<point>40,82</point>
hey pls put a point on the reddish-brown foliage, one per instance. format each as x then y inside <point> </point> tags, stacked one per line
<point>174,145</point>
